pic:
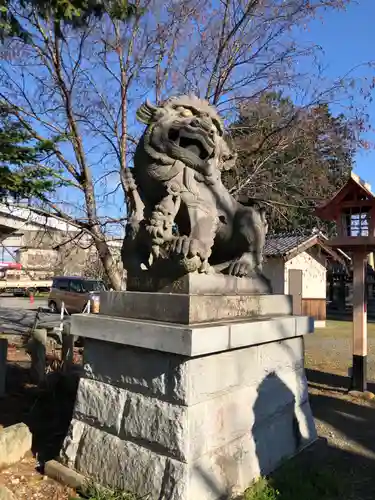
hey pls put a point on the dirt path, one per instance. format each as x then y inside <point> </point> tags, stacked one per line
<point>27,484</point>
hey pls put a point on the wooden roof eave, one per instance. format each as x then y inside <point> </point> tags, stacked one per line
<point>313,241</point>
<point>329,210</point>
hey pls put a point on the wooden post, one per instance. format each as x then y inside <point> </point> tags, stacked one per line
<point>359,372</point>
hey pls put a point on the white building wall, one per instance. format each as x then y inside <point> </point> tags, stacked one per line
<point>314,275</point>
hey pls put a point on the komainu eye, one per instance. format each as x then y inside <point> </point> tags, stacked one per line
<point>186,113</point>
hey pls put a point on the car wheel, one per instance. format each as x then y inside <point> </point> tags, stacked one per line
<point>53,307</point>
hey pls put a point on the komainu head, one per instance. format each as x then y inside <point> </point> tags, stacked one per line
<point>185,128</point>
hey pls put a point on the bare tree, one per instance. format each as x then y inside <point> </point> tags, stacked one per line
<point>245,47</point>
<point>72,88</point>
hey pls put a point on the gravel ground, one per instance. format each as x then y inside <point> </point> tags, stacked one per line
<point>27,484</point>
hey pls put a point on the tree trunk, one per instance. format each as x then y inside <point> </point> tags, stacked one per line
<point>109,264</point>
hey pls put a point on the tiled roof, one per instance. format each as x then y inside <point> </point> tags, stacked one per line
<point>278,245</point>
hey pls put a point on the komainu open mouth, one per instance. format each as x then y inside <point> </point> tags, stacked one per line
<point>191,142</point>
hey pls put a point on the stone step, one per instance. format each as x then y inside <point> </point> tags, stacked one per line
<point>192,309</point>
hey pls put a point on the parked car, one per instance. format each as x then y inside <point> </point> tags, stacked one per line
<point>75,292</point>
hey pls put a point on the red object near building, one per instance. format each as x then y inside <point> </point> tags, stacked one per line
<point>10,265</point>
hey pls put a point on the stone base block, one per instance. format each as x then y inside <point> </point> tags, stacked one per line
<point>190,340</point>
<point>199,284</point>
<point>177,427</point>
<point>192,309</point>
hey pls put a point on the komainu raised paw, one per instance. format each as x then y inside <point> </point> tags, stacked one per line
<point>242,266</point>
<point>189,247</point>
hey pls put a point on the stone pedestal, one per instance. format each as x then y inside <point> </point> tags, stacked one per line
<point>189,410</point>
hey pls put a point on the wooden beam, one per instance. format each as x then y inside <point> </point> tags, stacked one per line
<point>358,204</point>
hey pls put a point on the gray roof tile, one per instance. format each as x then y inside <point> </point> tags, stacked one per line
<point>278,245</point>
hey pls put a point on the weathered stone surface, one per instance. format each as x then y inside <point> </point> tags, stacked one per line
<point>59,472</point>
<point>6,494</point>
<point>276,356</point>
<point>133,416</point>
<point>100,404</point>
<point>179,380</point>
<point>191,309</point>
<point>120,464</point>
<point>69,448</point>
<point>190,340</point>
<point>224,470</point>
<point>148,335</point>
<point>15,442</point>
<point>211,376</point>
<point>186,433</point>
<point>144,371</point>
<point>228,470</point>
<point>222,419</point>
<point>198,284</point>
<point>261,331</point>
<point>147,420</point>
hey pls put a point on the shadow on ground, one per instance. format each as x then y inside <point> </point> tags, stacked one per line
<point>352,455</point>
<point>47,410</point>
<point>325,472</point>
<point>353,418</point>
<point>340,383</point>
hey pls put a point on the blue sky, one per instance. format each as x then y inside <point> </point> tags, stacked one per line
<point>348,39</point>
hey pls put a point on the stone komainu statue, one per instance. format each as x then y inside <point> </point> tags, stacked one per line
<point>180,212</point>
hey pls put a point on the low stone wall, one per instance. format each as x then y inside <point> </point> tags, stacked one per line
<point>180,428</point>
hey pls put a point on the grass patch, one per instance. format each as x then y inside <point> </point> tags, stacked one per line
<point>262,490</point>
<point>292,482</point>
<point>341,329</point>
